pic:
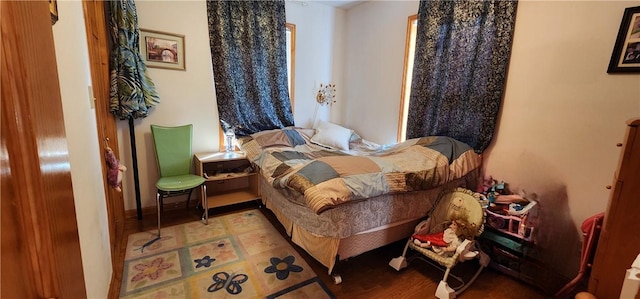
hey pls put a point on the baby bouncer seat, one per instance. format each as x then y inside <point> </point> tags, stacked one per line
<point>458,203</point>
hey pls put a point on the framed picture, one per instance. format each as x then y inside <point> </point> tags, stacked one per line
<point>626,52</point>
<point>162,49</point>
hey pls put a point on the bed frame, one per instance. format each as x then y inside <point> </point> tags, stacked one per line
<point>331,246</point>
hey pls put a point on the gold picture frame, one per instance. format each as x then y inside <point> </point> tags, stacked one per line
<point>162,50</point>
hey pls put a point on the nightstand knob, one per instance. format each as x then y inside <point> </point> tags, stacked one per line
<point>608,187</point>
<point>618,144</point>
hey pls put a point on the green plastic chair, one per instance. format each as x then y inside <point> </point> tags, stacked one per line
<point>174,156</point>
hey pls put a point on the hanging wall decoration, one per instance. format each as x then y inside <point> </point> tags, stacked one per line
<point>162,49</point>
<point>326,94</point>
<point>626,52</point>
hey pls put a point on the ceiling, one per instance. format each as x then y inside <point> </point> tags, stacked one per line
<point>344,4</point>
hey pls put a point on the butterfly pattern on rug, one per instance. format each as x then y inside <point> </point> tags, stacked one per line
<point>231,283</point>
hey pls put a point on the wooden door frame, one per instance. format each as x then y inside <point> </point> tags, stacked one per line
<point>98,45</point>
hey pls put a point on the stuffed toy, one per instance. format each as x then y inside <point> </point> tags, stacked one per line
<point>115,169</point>
<point>445,242</point>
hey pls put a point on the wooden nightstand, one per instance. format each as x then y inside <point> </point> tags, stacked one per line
<point>231,179</point>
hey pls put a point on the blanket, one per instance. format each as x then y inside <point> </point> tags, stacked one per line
<point>327,177</point>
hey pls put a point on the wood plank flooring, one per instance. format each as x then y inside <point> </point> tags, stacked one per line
<point>365,276</point>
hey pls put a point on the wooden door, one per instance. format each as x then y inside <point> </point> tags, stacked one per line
<point>40,244</point>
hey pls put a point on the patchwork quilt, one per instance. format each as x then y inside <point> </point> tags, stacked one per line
<point>329,177</point>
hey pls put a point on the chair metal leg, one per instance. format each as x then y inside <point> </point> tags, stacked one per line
<point>158,205</point>
<point>206,204</point>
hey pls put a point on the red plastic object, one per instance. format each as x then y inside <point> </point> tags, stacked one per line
<point>591,231</point>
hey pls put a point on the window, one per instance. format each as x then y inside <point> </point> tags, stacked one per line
<point>409,53</point>
<point>291,58</point>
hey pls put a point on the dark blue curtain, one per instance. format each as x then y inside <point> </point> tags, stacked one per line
<point>248,51</point>
<point>462,53</point>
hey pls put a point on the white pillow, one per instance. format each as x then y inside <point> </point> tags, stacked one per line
<point>332,135</point>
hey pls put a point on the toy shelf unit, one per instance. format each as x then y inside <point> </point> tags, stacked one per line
<point>509,240</point>
<point>511,255</point>
<point>514,222</point>
<point>230,178</point>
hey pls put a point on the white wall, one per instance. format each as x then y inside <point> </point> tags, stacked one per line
<point>319,47</point>
<point>374,64</point>
<point>562,116</point>
<point>84,150</point>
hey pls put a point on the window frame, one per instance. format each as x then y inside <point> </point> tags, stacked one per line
<point>291,55</point>
<point>409,53</point>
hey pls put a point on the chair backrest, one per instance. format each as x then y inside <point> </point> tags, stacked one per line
<point>173,149</point>
<point>461,202</point>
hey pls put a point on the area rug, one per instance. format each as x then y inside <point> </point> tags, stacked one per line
<point>238,255</point>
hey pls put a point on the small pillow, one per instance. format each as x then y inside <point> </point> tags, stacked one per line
<point>332,135</point>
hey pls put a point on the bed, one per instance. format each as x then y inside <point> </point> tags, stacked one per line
<point>338,195</point>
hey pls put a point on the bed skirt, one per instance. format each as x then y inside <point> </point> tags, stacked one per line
<point>354,228</point>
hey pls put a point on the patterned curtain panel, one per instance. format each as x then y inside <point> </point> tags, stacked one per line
<point>462,53</point>
<point>248,50</point>
<point>132,92</point>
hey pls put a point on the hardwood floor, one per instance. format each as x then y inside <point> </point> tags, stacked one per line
<point>365,276</point>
